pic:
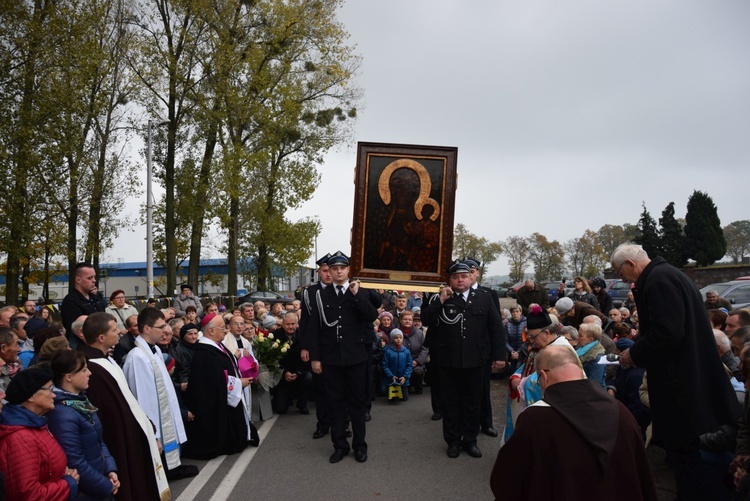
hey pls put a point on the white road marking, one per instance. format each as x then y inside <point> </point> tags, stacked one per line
<point>230,480</point>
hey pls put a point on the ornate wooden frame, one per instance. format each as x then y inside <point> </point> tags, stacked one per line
<point>402,235</point>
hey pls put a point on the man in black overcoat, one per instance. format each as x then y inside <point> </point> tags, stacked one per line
<point>340,330</point>
<point>468,331</point>
<point>689,391</point>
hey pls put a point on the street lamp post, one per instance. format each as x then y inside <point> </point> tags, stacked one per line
<point>150,211</point>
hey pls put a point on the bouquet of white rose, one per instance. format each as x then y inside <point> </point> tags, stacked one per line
<point>269,351</point>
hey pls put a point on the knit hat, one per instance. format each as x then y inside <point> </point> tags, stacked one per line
<point>564,305</point>
<point>386,314</point>
<point>188,327</point>
<point>269,322</point>
<point>26,383</point>
<point>53,346</point>
<point>624,343</point>
<point>33,325</point>
<point>537,318</point>
<point>396,332</point>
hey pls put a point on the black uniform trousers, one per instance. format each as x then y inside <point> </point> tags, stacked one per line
<point>346,389</point>
<point>486,408</point>
<point>436,397</point>
<point>322,408</point>
<point>461,390</point>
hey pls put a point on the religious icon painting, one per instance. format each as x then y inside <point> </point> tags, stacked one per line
<point>403,215</point>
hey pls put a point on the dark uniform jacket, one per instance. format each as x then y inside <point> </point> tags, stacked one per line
<point>308,301</point>
<point>340,334</point>
<point>476,336</point>
<point>688,389</point>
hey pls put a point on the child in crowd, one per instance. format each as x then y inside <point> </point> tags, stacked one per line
<point>397,365</point>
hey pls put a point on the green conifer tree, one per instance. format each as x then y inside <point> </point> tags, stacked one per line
<point>672,238</point>
<point>704,238</point>
<point>648,234</point>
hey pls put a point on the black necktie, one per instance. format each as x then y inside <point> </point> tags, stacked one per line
<point>459,299</point>
<point>340,290</point>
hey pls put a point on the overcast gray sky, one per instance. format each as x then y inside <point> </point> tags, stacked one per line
<point>567,115</point>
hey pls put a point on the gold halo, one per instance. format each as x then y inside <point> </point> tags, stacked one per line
<point>425,186</point>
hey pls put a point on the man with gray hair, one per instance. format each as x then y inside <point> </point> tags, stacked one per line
<point>558,451</point>
<point>714,302</point>
<point>531,293</point>
<point>688,389</point>
<point>724,346</point>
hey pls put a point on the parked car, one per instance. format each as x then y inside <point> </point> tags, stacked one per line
<point>736,291</point>
<point>619,292</point>
<point>267,296</point>
<point>501,291</point>
<point>553,287</point>
<point>512,291</point>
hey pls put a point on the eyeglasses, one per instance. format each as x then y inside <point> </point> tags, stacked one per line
<point>46,388</point>
<point>120,297</point>
<point>529,337</point>
<point>620,267</point>
<point>162,326</point>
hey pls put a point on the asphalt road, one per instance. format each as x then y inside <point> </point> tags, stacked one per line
<point>407,460</point>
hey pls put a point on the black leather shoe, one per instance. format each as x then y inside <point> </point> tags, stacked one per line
<point>473,451</point>
<point>320,433</point>
<point>453,451</point>
<point>490,432</point>
<point>348,433</point>
<point>338,455</point>
<point>360,456</point>
<point>417,390</point>
<point>437,416</point>
<point>182,471</point>
<point>368,417</point>
<point>304,411</point>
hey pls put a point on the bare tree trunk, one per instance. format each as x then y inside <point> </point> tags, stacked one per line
<point>196,232</point>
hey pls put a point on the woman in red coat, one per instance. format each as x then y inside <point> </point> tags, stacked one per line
<point>32,461</point>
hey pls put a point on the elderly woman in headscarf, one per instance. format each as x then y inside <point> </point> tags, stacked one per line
<point>34,464</point>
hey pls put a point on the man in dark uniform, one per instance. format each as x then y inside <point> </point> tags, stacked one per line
<point>339,334</point>
<point>322,412</point>
<point>486,409</point>
<point>468,331</point>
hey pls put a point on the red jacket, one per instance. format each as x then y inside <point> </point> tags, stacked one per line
<point>31,459</point>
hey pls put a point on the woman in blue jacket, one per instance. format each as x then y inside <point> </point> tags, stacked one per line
<point>77,428</point>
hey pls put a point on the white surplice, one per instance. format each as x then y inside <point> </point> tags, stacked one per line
<point>140,375</point>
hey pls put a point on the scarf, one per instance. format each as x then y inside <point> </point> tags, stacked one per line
<point>81,405</point>
<point>169,435</point>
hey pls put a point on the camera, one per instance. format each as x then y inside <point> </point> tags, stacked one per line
<point>613,357</point>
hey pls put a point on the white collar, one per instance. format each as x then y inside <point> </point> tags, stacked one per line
<point>210,342</point>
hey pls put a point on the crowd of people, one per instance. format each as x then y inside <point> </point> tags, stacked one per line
<point>127,395</point>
